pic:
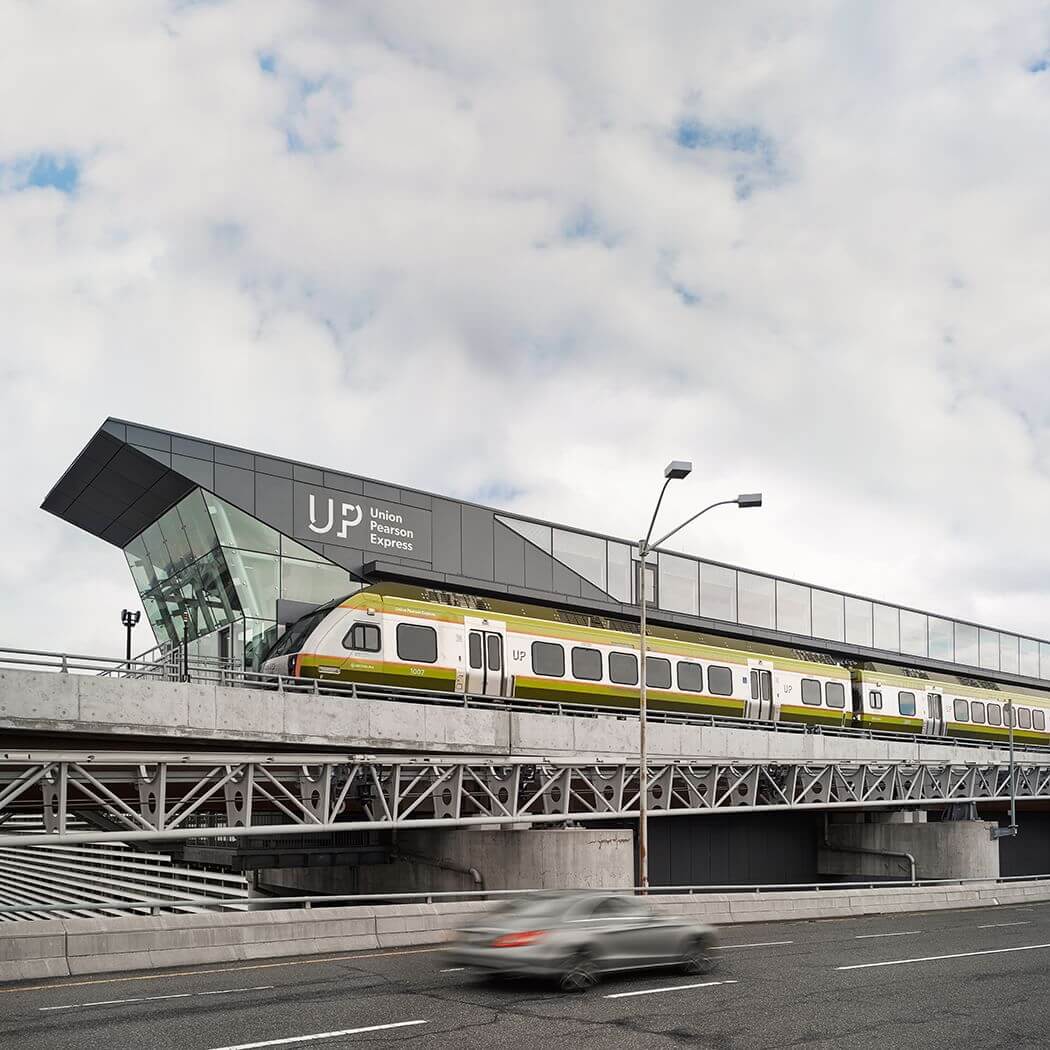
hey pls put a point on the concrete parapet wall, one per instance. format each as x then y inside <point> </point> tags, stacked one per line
<point>65,947</point>
<point>41,702</point>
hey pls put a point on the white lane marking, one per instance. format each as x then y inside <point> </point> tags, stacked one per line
<point>228,991</point>
<point>757,944</point>
<point>657,991</point>
<point>114,1002</point>
<point>215,969</point>
<point>901,933</point>
<point>452,969</point>
<point>321,1035</point>
<point>936,958</point>
<point>996,925</point>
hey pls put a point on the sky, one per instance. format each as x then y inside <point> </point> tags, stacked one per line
<point>526,254</point>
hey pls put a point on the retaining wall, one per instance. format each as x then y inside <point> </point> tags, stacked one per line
<point>65,947</point>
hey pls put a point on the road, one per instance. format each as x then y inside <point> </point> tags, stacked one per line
<point>972,978</point>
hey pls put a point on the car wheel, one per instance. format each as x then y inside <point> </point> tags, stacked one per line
<point>580,973</point>
<point>697,956</point>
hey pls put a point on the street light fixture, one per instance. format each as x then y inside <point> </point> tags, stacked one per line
<point>129,618</point>
<point>674,471</point>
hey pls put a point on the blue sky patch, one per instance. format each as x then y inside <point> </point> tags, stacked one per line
<point>1040,65</point>
<point>52,171</point>
<point>267,62</point>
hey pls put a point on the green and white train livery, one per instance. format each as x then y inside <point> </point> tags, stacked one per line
<point>400,635</point>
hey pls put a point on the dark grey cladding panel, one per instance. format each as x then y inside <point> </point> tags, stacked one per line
<point>539,569</point>
<point>236,485</point>
<point>508,556</point>
<point>447,550</point>
<point>346,557</point>
<point>310,474</point>
<point>477,542</point>
<point>155,453</point>
<point>273,502</point>
<point>342,482</point>
<point>278,467</point>
<point>566,581</point>
<point>195,469</point>
<point>149,438</point>
<point>188,447</point>
<point>589,591</point>
<point>83,471</point>
<point>234,457</point>
<point>387,492</point>
<point>416,499</point>
<point>118,430</point>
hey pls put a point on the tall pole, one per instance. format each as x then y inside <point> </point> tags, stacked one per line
<point>1013,778</point>
<point>127,657</point>
<point>643,772</point>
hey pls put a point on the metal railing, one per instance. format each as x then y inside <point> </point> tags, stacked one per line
<point>430,896</point>
<point>171,668</point>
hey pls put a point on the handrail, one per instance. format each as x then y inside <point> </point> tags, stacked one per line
<point>170,668</point>
<point>430,896</point>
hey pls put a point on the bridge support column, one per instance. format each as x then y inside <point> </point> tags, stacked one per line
<point>883,845</point>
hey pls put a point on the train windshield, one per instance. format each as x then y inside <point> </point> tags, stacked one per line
<point>295,637</point>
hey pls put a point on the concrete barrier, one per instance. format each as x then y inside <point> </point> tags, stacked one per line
<point>67,947</point>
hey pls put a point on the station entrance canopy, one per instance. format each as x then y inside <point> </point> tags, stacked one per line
<point>225,545</point>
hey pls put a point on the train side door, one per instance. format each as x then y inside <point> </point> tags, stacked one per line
<point>933,721</point>
<point>486,657</point>
<point>760,700</point>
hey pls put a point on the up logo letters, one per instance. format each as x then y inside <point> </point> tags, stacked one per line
<point>351,516</point>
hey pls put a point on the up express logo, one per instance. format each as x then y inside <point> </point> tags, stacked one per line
<point>362,523</point>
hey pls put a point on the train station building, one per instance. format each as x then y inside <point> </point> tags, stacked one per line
<point>227,545</point>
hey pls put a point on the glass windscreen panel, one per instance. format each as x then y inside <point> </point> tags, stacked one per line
<point>829,615</point>
<point>679,584</point>
<point>1029,657</point>
<point>583,554</point>
<point>793,608</point>
<point>1009,659</point>
<point>858,622</point>
<point>967,649</point>
<point>756,600</point>
<point>886,627</point>
<point>620,586</point>
<point>914,630</point>
<point>942,639</point>
<point>988,649</point>
<point>718,592</point>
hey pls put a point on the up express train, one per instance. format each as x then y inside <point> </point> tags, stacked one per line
<point>400,635</point>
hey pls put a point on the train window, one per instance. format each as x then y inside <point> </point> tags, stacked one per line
<point>657,672</point>
<point>623,668</point>
<point>720,680</point>
<point>1024,718</point>
<point>1039,721</point>
<point>474,649</point>
<point>690,677</point>
<point>875,698</point>
<point>417,644</point>
<point>811,692</point>
<point>962,711</point>
<point>363,637</point>
<point>494,644</point>
<point>977,711</point>
<point>548,658</point>
<point>586,664</point>
<point>995,715</point>
<point>835,693</point>
<point>754,685</point>
<point>906,702</point>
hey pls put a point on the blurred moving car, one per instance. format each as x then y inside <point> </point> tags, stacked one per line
<point>576,937</point>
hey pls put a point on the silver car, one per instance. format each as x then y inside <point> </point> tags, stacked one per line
<point>575,938</point>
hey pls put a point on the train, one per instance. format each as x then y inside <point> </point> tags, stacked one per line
<point>399,634</point>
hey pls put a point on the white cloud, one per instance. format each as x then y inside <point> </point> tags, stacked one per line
<point>339,232</point>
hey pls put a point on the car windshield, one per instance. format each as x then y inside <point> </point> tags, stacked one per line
<point>532,907</point>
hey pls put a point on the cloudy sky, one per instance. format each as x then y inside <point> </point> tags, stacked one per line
<point>526,253</point>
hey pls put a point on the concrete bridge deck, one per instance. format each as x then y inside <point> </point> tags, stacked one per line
<point>41,708</point>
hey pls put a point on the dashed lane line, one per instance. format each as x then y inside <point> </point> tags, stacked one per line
<point>756,944</point>
<point>996,925</point>
<point>216,969</point>
<point>669,988</point>
<point>321,1035</point>
<point>899,933</point>
<point>937,958</point>
<point>153,998</point>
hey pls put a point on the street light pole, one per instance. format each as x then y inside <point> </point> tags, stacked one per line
<point>674,470</point>
<point>129,619</point>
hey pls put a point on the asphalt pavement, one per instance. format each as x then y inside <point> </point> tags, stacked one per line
<point>973,979</point>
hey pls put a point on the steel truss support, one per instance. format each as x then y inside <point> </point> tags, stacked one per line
<point>166,796</point>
